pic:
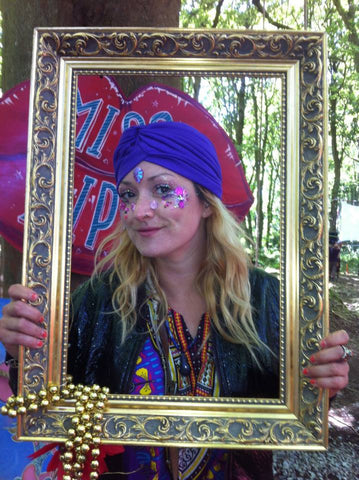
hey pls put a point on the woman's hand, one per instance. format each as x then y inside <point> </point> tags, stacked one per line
<point>21,322</point>
<point>327,368</point>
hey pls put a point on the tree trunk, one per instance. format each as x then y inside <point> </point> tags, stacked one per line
<point>21,17</point>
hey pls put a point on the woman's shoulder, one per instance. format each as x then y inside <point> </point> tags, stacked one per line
<point>259,278</point>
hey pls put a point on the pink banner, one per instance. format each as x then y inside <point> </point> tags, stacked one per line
<point>103,113</point>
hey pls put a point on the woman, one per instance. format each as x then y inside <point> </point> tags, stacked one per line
<point>174,308</point>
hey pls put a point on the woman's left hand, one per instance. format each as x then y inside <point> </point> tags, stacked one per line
<point>328,369</point>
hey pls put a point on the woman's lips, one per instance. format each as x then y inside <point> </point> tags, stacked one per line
<point>148,232</point>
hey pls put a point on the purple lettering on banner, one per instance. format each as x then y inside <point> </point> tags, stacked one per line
<point>100,220</point>
<point>96,147</point>
<point>88,183</point>
<point>92,109</point>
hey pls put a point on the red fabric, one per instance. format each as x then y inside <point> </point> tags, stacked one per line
<point>55,463</point>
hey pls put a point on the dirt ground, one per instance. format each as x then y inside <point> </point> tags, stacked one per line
<point>341,460</point>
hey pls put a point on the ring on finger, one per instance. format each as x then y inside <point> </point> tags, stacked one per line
<point>347,353</point>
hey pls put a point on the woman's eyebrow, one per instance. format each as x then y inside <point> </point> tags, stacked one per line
<point>165,174</point>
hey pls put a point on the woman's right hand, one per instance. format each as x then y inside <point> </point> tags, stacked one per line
<point>21,322</point>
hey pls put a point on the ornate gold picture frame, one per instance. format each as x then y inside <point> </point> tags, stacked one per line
<point>298,418</point>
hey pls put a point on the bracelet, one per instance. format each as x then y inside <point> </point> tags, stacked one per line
<point>12,363</point>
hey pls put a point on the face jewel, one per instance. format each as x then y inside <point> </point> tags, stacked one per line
<point>138,174</point>
<point>181,197</point>
<point>154,205</point>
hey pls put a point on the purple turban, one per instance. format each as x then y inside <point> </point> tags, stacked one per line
<point>173,145</point>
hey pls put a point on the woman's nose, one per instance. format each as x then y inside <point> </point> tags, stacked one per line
<point>143,208</point>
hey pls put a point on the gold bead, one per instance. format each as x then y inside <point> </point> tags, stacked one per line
<point>68,379</point>
<point>12,413</point>
<point>56,398</point>
<point>19,400</point>
<point>81,429</point>
<point>96,441</point>
<point>21,410</point>
<point>77,394</point>
<point>78,440</point>
<point>89,406</point>
<point>87,389</point>
<point>85,448</point>
<point>102,396</point>
<point>100,405</point>
<point>53,389</point>
<point>67,467</point>
<point>98,417</point>
<point>68,456</point>
<point>84,398</point>
<point>78,474</point>
<point>88,425</point>
<point>93,396</point>
<point>69,445</point>
<point>33,407</point>
<point>65,392</point>
<point>71,386</point>
<point>79,386</point>
<point>93,476</point>
<point>44,403</point>
<point>95,452</point>
<point>96,388</point>
<point>105,390</point>
<point>77,466</point>
<point>80,409</point>
<point>95,464</point>
<point>87,437</point>
<point>85,417</point>
<point>81,458</point>
<point>71,432</point>
<point>66,477</point>
<point>42,394</point>
<point>31,397</point>
<point>4,410</point>
<point>97,428</point>
<point>75,420</point>
<point>11,400</point>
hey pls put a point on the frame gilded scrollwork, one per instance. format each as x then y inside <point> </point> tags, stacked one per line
<point>298,418</point>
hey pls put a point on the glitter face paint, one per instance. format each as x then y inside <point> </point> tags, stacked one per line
<point>138,174</point>
<point>179,198</point>
<point>154,205</point>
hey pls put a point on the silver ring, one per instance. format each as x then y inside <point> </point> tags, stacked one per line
<point>347,353</point>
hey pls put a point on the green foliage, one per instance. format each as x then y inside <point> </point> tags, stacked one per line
<point>342,27</point>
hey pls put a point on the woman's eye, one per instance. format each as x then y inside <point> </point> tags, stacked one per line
<point>164,190</point>
<point>126,195</point>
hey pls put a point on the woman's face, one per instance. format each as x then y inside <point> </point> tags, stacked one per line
<point>162,213</point>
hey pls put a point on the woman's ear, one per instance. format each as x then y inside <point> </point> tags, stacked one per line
<point>207,210</point>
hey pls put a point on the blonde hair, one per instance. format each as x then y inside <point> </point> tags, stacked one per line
<point>222,278</point>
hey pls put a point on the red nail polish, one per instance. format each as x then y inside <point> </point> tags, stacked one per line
<point>39,344</point>
<point>305,371</point>
<point>312,359</point>
<point>44,334</point>
<point>33,297</point>
<point>313,382</point>
<point>42,319</point>
<point>323,344</point>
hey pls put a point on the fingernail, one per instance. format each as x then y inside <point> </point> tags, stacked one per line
<point>305,371</point>
<point>323,343</point>
<point>313,382</point>
<point>42,319</point>
<point>34,297</point>
<point>44,334</point>
<point>312,359</point>
<point>39,344</point>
